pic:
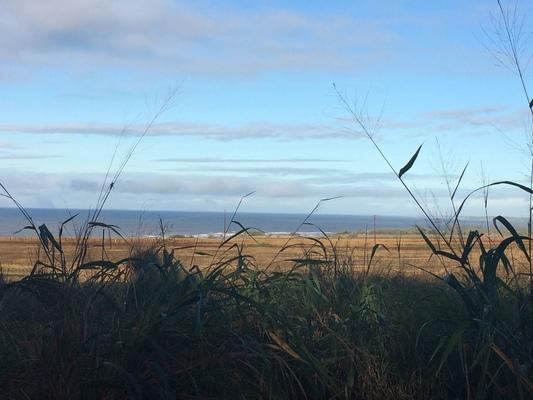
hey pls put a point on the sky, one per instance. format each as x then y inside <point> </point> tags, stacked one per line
<point>246,89</point>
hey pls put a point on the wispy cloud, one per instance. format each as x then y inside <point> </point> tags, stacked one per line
<point>465,113</point>
<point>211,160</point>
<point>478,120</point>
<point>217,185</point>
<point>272,193</point>
<point>10,150</point>
<point>234,186</point>
<point>270,170</point>
<point>12,156</point>
<point>491,117</point>
<point>320,176</point>
<point>8,145</point>
<point>209,131</point>
<point>185,36</point>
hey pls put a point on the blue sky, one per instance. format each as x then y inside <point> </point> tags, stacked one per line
<point>254,108</point>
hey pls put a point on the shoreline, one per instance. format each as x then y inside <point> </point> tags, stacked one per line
<point>250,233</point>
<point>212,224</point>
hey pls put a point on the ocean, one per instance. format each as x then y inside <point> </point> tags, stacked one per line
<point>189,223</point>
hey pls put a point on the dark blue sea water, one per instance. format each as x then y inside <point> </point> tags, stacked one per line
<point>136,223</point>
<point>198,223</point>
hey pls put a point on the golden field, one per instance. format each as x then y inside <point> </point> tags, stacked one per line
<point>407,253</point>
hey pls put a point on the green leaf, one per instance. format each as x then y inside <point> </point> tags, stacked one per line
<point>99,264</point>
<point>450,343</point>
<point>473,237</point>
<point>459,180</point>
<point>512,230</point>
<point>374,250</point>
<point>64,223</point>
<point>410,163</point>
<point>47,237</point>
<point>113,228</point>
<point>427,240</point>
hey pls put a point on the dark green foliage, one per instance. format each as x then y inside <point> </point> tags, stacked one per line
<point>159,331</point>
<point>410,163</point>
<point>148,328</point>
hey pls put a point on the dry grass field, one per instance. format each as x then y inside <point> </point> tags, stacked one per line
<point>405,253</point>
<point>18,254</point>
<point>352,317</point>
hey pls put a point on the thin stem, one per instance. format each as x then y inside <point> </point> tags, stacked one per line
<point>512,39</point>
<point>384,157</point>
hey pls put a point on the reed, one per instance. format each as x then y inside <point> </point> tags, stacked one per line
<point>149,327</point>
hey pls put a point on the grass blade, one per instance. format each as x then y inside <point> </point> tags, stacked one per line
<point>410,163</point>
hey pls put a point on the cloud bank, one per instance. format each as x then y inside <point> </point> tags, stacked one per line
<point>186,37</point>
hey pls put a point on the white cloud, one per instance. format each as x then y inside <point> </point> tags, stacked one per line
<point>272,193</point>
<point>185,37</point>
<point>7,156</point>
<point>209,131</point>
<point>212,160</point>
<point>38,184</point>
<point>498,117</point>
<point>478,120</point>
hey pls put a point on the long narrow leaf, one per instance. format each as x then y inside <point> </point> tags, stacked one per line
<point>410,163</point>
<point>427,240</point>
<point>512,230</point>
<point>47,236</point>
<point>459,180</point>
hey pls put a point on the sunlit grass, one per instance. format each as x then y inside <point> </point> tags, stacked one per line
<point>150,327</point>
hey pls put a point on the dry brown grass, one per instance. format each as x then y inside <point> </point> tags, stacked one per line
<point>407,253</point>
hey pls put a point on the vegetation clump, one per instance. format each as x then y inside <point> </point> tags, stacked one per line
<point>149,327</point>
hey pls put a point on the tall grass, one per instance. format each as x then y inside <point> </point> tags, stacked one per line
<point>154,328</point>
<point>495,340</point>
<point>234,332</point>
<point>149,327</point>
